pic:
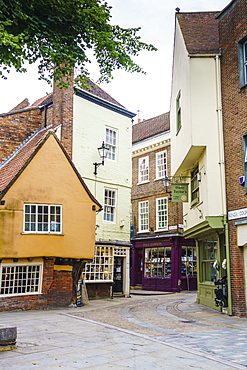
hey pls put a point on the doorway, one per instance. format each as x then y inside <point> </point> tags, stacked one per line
<point>118,275</point>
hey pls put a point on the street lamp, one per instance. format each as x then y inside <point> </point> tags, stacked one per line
<point>102,154</point>
<point>167,182</point>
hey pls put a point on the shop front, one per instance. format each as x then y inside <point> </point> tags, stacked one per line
<point>166,264</point>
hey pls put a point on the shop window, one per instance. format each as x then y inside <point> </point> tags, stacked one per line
<point>109,205</point>
<point>143,175</point>
<point>143,216</point>
<point>209,256</point>
<point>242,53</point>
<point>42,218</point>
<point>195,186</point>
<point>20,278</point>
<point>111,143</point>
<point>161,214</point>
<point>189,262</point>
<point>101,269</point>
<point>161,164</point>
<point>157,262</point>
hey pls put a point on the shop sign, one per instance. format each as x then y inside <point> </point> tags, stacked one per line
<point>179,192</point>
<point>239,213</point>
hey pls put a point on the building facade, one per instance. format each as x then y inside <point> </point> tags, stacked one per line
<point>233,44</point>
<point>197,153</point>
<point>162,259</point>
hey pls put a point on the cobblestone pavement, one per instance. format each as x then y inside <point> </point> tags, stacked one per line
<point>177,320</point>
<point>168,331</point>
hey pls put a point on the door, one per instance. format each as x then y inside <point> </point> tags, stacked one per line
<point>118,275</point>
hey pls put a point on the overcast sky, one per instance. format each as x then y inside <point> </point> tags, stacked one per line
<point>149,94</point>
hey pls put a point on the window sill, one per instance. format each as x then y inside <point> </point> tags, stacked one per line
<point>144,182</point>
<point>161,230</point>
<point>143,231</point>
<point>19,295</point>
<point>37,233</point>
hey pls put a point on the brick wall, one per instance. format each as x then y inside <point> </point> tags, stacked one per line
<point>96,291</point>
<point>150,191</point>
<point>56,292</point>
<point>232,29</point>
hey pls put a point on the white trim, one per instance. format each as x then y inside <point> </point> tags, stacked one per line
<point>165,165</point>
<point>36,231</point>
<point>110,145</point>
<point>114,207</point>
<point>165,214</point>
<point>146,163</point>
<point>139,218</point>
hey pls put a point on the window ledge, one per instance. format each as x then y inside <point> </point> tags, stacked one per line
<point>144,182</point>
<point>37,233</point>
<point>161,230</point>
<point>143,232</point>
<point>19,295</point>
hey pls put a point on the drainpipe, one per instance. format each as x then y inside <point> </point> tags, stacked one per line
<point>221,162</point>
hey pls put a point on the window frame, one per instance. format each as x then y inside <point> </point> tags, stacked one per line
<point>242,61</point>
<point>142,177</point>
<point>178,112</point>
<point>37,215</point>
<point>21,264</point>
<point>158,262</point>
<point>189,261</point>
<point>101,269</point>
<point>111,154</point>
<point>165,215</point>
<point>161,173</point>
<point>146,217</point>
<point>112,206</point>
<point>194,185</point>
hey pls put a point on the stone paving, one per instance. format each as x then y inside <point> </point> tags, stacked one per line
<point>148,332</point>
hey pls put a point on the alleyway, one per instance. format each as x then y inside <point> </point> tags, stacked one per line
<point>145,331</point>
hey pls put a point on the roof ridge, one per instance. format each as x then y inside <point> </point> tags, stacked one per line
<point>22,145</point>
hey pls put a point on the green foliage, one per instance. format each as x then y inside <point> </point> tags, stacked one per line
<point>60,33</point>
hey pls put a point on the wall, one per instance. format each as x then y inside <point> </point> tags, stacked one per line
<point>49,178</point>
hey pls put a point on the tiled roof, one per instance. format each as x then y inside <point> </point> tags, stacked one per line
<point>200,32</point>
<point>47,99</point>
<point>97,91</point>
<point>150,127</point>
<point>15,162</point>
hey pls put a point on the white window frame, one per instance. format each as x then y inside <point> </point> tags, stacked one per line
<point>242,54</point>
<point>161,165</point>
<point>161,212</point>
<point>35,221</point>
<point>143,216</point>
<point>101,269</point>
<point>15,270</point>
<point>109,207</point>
<point>245,61</point>
<point>111,143</point>
<point>143,169</point>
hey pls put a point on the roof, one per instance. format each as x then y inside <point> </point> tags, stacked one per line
<point>14,165</point>
<point>200,32</point>
<point>151,127</point>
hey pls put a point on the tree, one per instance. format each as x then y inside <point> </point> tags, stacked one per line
<point>60,33</point>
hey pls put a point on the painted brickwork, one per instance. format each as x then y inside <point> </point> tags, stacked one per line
<point>150,191</point>
<point>56,292</point>
<point>232,27</point>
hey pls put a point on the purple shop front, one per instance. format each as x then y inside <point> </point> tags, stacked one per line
<point>166,264</point>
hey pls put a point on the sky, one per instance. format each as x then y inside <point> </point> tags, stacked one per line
<point>145,95</point>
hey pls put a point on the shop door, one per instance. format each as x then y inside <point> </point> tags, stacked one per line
<point>139,265</point>
<point>118,275</point>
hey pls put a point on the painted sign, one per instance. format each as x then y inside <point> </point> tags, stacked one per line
<point>238,213</point>
<point>179,192</point>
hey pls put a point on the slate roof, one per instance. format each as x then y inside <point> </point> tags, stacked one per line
<point>150,127</point>
<point>15,164</point>
<point>200,32</point>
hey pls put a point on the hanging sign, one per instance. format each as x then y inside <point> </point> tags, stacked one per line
<point>179,192</point>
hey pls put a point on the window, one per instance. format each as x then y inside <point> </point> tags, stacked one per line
<point>143,169</point>
<point>143,216</point>
<point>188,258</point>
<point>102,266</point>
<point>161,164</point>
<point>157,262</point>
<point>209,253</point>
<point>161,214</point>
<point>178,111</point>
<point>109,205</point>
<point>111,143</point>
<point>42,218</point>
<point>194,186</point>
<point>242,52</point>
<point>20,278</point>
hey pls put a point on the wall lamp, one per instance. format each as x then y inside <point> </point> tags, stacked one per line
<point>102,153</point>
<point>167,182</point>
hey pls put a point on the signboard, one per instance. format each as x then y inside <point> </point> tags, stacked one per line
<point>239,213</point>
<point>179,192</point>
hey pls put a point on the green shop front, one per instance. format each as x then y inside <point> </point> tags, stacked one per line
<point>211,238</point>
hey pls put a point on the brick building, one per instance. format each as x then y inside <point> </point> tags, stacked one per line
<point>233,45</point>
<point>161,258</point>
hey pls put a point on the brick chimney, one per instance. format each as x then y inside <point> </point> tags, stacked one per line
<point>63,113</point>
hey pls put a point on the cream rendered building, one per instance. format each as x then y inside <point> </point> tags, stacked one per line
<point>99,118</point>
<point>197,155</point>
